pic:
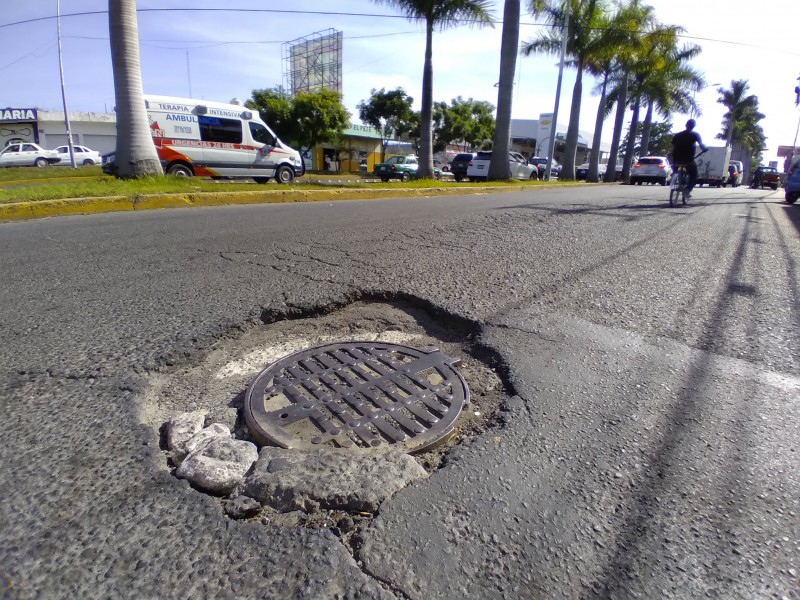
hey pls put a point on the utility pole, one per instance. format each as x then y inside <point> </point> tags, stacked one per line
<point>63,89</point>
<point>551,149</point>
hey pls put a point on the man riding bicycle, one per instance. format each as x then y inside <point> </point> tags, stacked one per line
<point>683,153</point>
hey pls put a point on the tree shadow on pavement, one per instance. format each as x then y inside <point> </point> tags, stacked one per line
<point>793,214</point>
<point>687,420</point>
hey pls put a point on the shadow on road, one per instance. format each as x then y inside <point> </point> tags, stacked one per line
<point>689,417</point>
<point>793,214</point>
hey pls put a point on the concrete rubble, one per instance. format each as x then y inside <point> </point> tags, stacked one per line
<point>329,478</point>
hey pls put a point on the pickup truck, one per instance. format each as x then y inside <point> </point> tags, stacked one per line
<point>401,167</point>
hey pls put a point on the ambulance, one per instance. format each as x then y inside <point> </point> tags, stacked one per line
<point>222,141</point>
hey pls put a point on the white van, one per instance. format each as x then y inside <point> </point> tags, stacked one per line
<point>212,139</point>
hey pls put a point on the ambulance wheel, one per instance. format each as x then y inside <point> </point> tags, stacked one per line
<point>284,174</point>
<point>180,170</point>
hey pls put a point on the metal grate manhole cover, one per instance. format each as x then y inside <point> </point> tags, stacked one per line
<point>366,394</point>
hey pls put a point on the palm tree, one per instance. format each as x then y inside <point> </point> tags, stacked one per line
<point>437,14</point>
<point>607,65</point>
<point>739,106</point>
<point>586,40</point>
<point>636,17</point>
<point>669,89</point>
<point>499,167</point>
<point>136,155</point>
<point>740,125</point>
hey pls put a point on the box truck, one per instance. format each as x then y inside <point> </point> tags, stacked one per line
<point>712,166</point>
<point>223,141</point>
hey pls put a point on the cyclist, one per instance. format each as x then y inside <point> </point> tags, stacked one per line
<point>683,153</point>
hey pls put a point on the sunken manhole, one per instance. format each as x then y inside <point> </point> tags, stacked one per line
<point>357,394</point>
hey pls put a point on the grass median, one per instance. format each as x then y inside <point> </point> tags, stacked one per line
<point>26,184</point>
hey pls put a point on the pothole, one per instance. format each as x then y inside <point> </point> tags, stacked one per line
<point>217,389</point>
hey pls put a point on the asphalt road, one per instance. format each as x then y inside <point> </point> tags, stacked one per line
<point>650,448</point>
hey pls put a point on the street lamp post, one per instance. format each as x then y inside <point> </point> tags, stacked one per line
<point>63,89</point>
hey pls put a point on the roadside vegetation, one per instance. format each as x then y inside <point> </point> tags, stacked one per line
<point>26,184</point>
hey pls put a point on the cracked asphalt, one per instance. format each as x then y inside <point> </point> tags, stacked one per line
<point>649,446</point>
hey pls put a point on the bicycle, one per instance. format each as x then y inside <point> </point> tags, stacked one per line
<point>679,183</point>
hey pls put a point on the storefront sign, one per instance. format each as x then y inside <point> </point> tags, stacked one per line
<point>8,115</point>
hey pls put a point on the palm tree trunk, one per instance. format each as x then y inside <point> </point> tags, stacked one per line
<point>499,167</point>
<point>622,103</point>
<point>594,163</point>
<point>626,163</point>
<point>571,143</point>
<point>426,110</point>
<point>136,155</point>
<point>648,122</point>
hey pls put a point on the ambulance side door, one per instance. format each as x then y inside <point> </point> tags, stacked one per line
<point>265,158</point>
<point>223,152</point>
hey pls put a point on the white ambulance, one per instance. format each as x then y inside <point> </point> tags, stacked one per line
<point>212,139</point>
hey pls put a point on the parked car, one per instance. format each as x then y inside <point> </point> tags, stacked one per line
<point>401,167</point>
<point>582,171</point>
<point>766,177</point>
<point>651,169</point>
<point>109,164</point>
<point>83,155</point>
<point>541,165</point>
<point>459,165</point>
<point>520,168</point>
<point>27,154</point>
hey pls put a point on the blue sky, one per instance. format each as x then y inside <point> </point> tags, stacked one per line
<point>222,55</point>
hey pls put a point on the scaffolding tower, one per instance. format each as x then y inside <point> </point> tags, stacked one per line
<point>313,62</point>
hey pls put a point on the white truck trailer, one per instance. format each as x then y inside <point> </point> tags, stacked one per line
<point>712,166</point>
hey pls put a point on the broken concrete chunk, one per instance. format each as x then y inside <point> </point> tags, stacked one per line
<point>198,439</point>
<point>183,427</point>
<point>218,465</point>
<point>331,478</point>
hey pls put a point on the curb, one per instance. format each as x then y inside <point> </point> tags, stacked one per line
<point>76,206</point>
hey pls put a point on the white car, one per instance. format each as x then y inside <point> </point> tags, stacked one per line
<point>83,155</point>
<point>27,154</point>
<point>651,169</point>
<point>478,168</point>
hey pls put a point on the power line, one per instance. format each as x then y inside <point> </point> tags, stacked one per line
<point>354,14</point>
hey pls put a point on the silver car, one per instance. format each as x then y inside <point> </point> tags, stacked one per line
<point>27,154</point>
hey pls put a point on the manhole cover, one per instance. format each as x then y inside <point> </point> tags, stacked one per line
<point>366,394</point>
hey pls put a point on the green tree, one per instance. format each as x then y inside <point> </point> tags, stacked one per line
<point>741,128</point>
<point>321,117</point>
<point>276,108</point>
<point>660,142</point>
<point>136,154</point>
<point>586,40</point>
<point>436,14</point>
<point>668,85</point>
<point>499,167</point>
<point>305,119</point>
<point>637,18</point>
<point>469,123</point>
<point>388,112</point>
